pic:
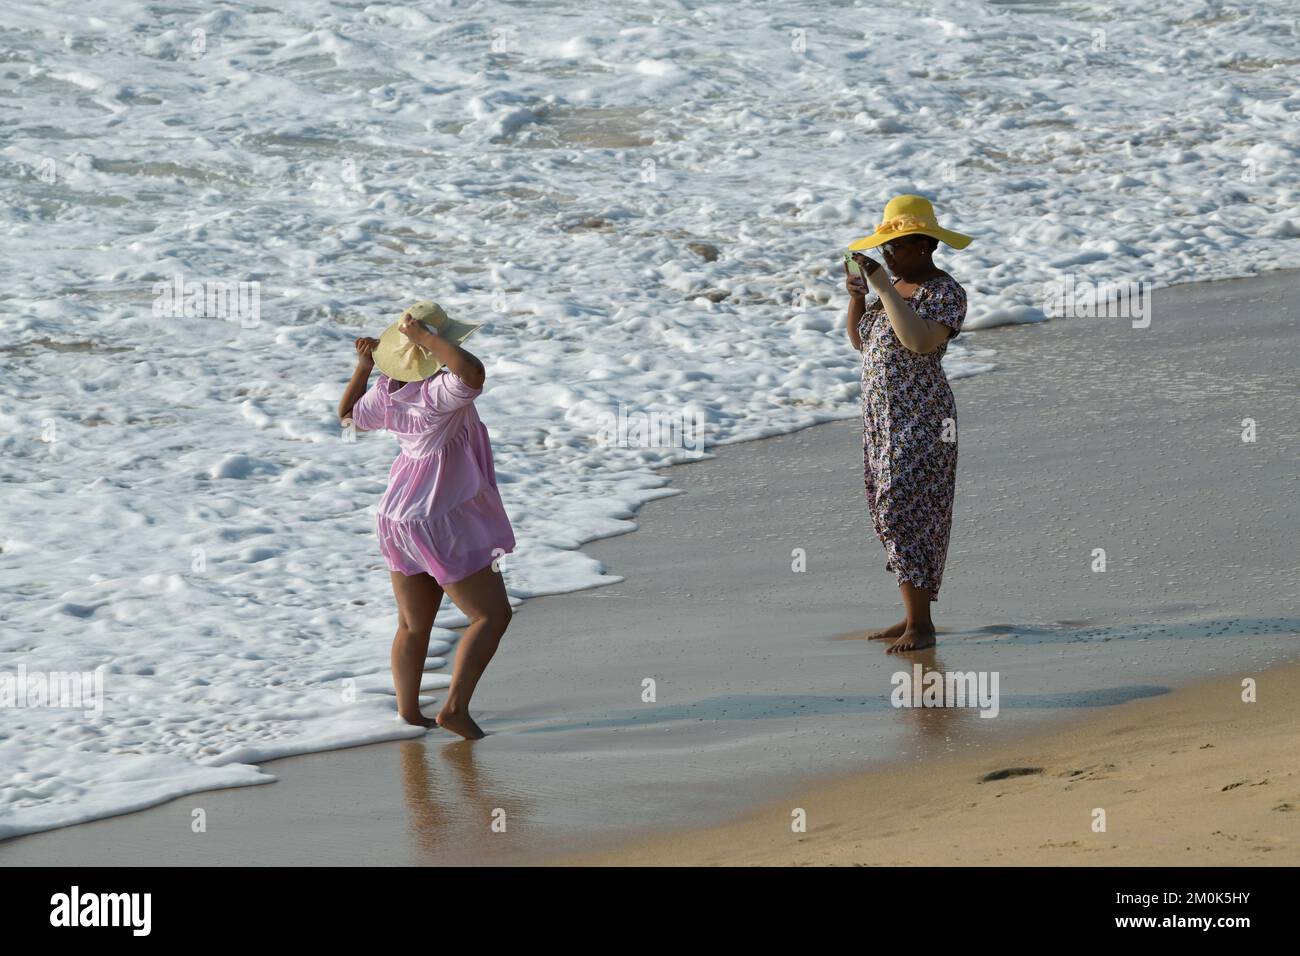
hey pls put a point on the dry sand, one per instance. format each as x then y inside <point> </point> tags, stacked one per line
<point>1196,777</point>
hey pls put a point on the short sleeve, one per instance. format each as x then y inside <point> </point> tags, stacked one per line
<point>944,302</point>
<point>368,413</point>
<point>445,392</point>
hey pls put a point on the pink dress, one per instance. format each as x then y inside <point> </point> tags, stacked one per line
<point>442,513</point>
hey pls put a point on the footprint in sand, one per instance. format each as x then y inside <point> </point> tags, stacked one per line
<point>1010,772</point>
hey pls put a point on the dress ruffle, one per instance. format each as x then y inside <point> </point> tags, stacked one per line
<point>452,546</point>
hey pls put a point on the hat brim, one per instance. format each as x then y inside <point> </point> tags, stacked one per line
<point>385,353</point>
<point>955,239</point>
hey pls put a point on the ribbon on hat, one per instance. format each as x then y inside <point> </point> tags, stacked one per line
<point>899,223</point>
<point>409,353</point>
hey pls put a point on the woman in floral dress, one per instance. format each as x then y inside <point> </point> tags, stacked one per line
<point>909,417</point>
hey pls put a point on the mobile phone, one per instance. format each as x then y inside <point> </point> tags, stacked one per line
<point>852,263</point>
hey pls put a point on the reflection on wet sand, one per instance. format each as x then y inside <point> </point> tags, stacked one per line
<point>931,725</point>
<point>455,805</point>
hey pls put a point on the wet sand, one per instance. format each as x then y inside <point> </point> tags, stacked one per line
<point>1089,434</point>
<point>1195,778</point>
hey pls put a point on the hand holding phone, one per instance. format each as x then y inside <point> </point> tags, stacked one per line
<point>856,281</point>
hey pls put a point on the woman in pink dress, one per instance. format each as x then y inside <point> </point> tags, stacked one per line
<point>441,523</point>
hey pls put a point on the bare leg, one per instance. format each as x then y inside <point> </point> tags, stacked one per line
<point>482,598</point>
<point>919,632</point>
<point>418,598</point>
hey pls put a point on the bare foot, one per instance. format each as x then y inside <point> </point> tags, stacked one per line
<point>460,722</point>
<point>419,720</point>
<point>887,633</point>
<point>913,639</point>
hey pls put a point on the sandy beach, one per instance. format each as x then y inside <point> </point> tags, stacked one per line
<point>1088,434</point>
<point>1195,778</point>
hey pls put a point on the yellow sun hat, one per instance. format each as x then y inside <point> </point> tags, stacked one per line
<point>403,360</point>
<point>904,216</point>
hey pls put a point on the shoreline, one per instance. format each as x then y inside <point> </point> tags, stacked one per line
<point>756,688</point>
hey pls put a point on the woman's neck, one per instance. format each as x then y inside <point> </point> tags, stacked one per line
<point>915,279</point>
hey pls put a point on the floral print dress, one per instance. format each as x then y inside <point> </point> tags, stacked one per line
<point>909,435</point>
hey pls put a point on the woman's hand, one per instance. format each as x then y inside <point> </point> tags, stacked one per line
<point>859,286</point>
<point>874,270</point>
<point>855,284</point>
<point>417,332</point>
<point>357,387</point>
<point>364,347</point>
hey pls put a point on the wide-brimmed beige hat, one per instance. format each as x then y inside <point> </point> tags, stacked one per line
<point>401,359</point>
<point>905,215</point>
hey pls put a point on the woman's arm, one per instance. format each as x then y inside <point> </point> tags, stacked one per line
<point>857,288</point>
<point>464,365</point>
<point>915,333</point>
<point>357,386</point>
